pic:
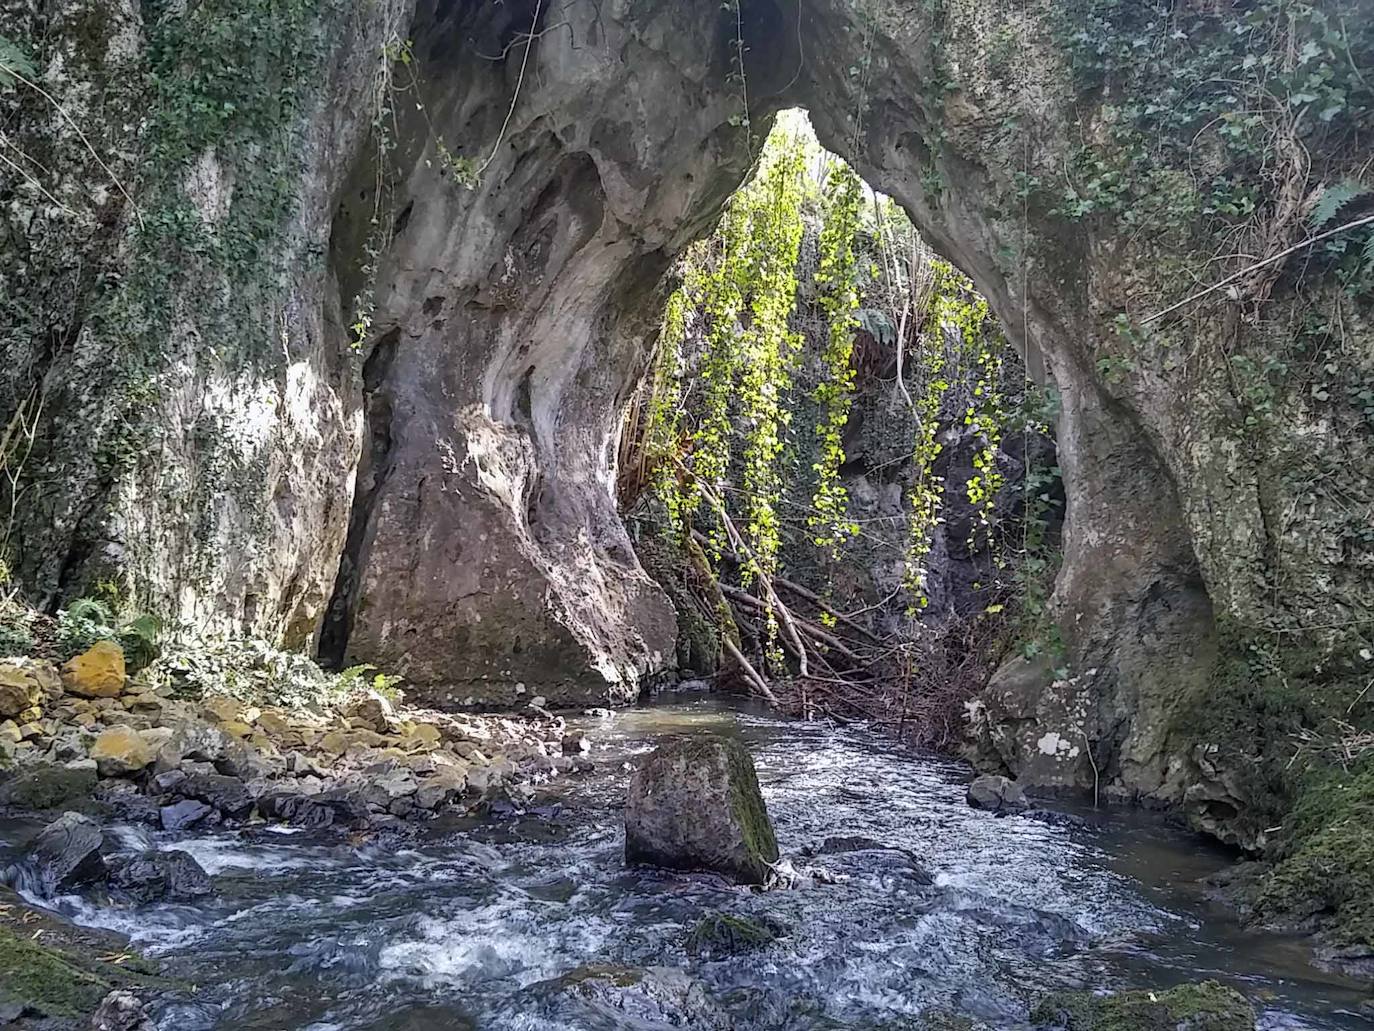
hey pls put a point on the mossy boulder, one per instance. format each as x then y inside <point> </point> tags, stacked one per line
<point>1207,1006</point>
<point>1324,876</point>
<point>721,934</point>
<point>695,804</point>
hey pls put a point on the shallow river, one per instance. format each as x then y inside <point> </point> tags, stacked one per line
<point>465,926</point>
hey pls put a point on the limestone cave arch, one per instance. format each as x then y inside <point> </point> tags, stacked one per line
<point>463,289</point>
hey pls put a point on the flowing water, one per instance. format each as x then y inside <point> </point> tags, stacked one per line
<point>468,925</point>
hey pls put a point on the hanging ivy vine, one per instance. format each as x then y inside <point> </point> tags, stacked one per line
<point>838,297</point>
<point>769,347</point>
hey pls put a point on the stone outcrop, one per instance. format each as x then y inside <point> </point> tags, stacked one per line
<point>209,431</point>
<point>694,804</point>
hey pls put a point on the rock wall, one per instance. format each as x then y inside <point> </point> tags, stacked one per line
<point>178,393</point>
<point>1196,449</point>
<point>181,308</point>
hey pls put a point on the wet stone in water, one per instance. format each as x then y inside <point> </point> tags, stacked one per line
<point>695,804</point>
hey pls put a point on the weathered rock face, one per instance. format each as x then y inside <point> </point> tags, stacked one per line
<point>695,804</point>
<point>176,330</point>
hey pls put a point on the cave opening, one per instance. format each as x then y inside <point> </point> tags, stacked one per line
<point>832,405</point>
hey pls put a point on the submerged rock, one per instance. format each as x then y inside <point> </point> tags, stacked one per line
<point>695,805</point>
<point>66,853</point>
<point>996,794</point>
<point>636,997</point>
<point>722,934</point>
<point>1207,1006</point>
<point>121,1011</point>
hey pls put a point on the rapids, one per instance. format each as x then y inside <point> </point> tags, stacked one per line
<point>469,923</point>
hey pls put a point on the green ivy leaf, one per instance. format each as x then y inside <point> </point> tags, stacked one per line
<point>14,64</point>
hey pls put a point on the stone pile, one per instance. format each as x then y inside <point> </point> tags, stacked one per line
<point>89,731</point>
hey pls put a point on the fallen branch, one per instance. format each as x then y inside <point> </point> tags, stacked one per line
<point>1368,219</point>
<point>815,599</point>
<point>750,673</point>
<point>737,542</point>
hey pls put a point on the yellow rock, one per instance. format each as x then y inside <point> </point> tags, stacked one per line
<point>119,751</point>
<point>97,672</point>
<point>9,731</point>
<point>18,690</point>
<point>334,743</point>
<point>239,730</point>
<point>29,715</point>
<point>425,733</point>
<point>222,709</point>
<point>31,730</point>
<point>271,723</point>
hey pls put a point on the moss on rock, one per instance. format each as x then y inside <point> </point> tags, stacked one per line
<point>721,934</point>
<point>1324,876</point>
<point>56,970</point>
<point>47,787</point>
<point>695,804</point>
<point>1207,1006</point>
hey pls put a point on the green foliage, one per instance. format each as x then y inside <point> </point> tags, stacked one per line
<point>355,678</point>
<point>768,348</point>
<point>1251,87</point>
<point>838,297</point>
<point>1333,199</point>
<point>139,639</point>
<point>14,63</point>
<point>959,327</point>
<point>255,672</point>
<point>88,620</point>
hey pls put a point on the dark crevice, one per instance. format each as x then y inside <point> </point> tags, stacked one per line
<point>374,465</point>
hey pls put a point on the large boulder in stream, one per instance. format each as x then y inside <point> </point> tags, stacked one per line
<point>695,804</point>
<point>154,876</point>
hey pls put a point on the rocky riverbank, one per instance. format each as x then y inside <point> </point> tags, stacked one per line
<point>89,735</point>
<point>85,745</point>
